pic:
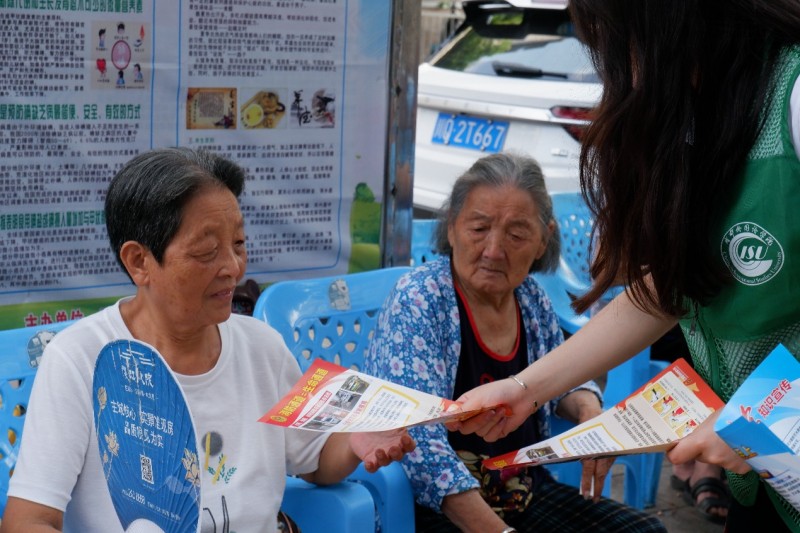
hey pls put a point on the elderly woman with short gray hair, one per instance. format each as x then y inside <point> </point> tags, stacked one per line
<point>176,229</point>
<point>476,315</point>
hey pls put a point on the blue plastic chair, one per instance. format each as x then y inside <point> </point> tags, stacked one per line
<point>575,223</point>
<point>333,318</point>
<point>572,279</point>
<point>20,354</point>
<point>342,508</point>
<point>422,244</point>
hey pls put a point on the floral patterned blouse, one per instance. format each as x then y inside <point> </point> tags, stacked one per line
<point>417,343</point>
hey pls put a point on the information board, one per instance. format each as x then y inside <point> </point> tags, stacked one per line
<point>298,92</point>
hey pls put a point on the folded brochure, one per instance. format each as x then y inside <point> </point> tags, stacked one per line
<point>664,410</point>
<point>761,422</point>
<point>331,398</point>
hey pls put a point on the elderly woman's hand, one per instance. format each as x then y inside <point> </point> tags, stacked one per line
<point>379,448</point>
<point>593,476</point>
<point>580,406</point>
<point>343,452</point>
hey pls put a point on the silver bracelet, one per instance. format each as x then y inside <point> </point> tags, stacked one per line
<point>535,404</point>
<point>521,384</point>
<point>509,530</point>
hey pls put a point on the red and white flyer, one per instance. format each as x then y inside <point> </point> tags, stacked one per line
<point>652,419</point>
<point>331,398</point>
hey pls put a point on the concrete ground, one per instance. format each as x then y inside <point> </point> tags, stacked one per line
<point>676,514</point>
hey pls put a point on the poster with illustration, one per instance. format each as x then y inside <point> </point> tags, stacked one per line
<point>146,439</point>
<point>211,108</point>
<point>265,109</point>
<point>296,93</point>
<point>313,107</point>
<point>121,54</point>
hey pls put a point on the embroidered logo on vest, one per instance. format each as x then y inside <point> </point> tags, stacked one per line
<point>751,253</point>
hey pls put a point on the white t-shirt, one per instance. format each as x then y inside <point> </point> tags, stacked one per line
<point>59,464</point>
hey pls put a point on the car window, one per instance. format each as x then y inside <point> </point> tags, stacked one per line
<point>532,56</point>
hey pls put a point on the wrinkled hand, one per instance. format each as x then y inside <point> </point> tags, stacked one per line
<point>593,476</point>
<point>704,445</point>
<point>594,473</point>
<point>495,423</point>
<point>380,448</point>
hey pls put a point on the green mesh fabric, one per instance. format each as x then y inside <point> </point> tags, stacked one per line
<point>723,363</point>
<point>769,143</point>
<point>735,361</point>
<point>790,515</point>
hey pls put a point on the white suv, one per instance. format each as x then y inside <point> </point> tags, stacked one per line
<point>512,78</point>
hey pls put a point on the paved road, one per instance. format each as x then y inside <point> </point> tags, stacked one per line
<point>677,515</point>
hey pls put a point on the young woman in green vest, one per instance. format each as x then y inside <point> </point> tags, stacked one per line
<point>691,168</point>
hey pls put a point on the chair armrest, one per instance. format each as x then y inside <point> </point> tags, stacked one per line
<point>392,494</point>
<point>341,508</point>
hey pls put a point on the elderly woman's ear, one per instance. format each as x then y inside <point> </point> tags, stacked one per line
<point>551,228</point>
<point>134,257</point>
<point>450,230</point>
<point>547,237</point>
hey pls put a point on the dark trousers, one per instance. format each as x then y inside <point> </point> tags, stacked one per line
<point>558,508</point>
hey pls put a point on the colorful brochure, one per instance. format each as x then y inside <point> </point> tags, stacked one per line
<point>761,422</point>
<point>331,398</point>
<point>652,419</point>
<point>146,439</point>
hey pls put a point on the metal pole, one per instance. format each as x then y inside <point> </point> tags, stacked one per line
<point>398,211</point>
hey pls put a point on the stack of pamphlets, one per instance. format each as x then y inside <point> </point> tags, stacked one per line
<point>761,422</point>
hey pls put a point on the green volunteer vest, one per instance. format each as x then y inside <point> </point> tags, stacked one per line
<point>758,239</point>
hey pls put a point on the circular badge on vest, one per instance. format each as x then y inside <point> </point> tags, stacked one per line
<point>751,253</point>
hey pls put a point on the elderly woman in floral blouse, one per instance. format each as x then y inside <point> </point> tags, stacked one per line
<point>476,315</point>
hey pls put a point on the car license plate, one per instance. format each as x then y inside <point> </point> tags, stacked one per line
<point>474,133</point>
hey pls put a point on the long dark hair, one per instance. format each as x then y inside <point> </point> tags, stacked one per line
<point>685,83</point>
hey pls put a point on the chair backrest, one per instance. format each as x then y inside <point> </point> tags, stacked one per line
<point>422,241</point>
<point>20,354</point>
<point>575,222</point>
<point>332,318</point>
